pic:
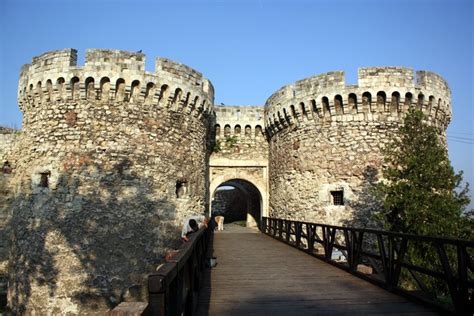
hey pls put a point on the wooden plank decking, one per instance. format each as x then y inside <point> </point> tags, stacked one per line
<point>257,275</point>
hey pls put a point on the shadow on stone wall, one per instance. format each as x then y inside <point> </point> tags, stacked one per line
<point>366,205</point>
<point>88,244</point>
<point>3,274</point>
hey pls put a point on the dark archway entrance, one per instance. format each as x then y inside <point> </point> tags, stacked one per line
<point>238,200</point>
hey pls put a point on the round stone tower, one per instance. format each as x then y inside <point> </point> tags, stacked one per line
<point>325,138</point>
<point>110,160</point>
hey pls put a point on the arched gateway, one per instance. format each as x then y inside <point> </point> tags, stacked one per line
<point>238,200</point>
<point>238,167</point>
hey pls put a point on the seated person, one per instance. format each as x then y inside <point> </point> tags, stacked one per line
<point>191,225</point>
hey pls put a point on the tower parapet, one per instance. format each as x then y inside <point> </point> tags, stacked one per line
<point>239,133</point>
<point>109,75</point>
<point>382,94</point>
<point>326,138</point>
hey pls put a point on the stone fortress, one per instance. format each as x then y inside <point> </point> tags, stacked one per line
<point>111,158</point>
<point>325,138</point>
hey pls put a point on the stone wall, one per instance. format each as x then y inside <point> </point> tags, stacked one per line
<point>231,204</point>
<point>239,133</point>
<point>240,150</point>
<point>112,158</point>
<point>8,141</point>
<point>326,138</point>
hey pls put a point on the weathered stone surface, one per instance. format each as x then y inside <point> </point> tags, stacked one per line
<point>111,158</point>
<point>239,133</point>
<point>8,141</point>
<point>326,137</point>
<point>240,153</point>
<point>96,172</point>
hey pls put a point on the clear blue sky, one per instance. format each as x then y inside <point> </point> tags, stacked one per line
<point>249,49</point>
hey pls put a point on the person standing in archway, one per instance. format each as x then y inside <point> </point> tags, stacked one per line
<point>220,222</point>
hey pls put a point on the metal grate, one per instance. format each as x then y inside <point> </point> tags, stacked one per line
<point>338,197</point>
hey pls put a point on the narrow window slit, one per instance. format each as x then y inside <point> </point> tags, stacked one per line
<point>44,180</point>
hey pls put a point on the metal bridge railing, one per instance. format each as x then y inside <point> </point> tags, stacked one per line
<point>445,283</point>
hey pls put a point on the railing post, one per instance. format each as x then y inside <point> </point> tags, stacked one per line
<point>310,237</point>
<point>383,256</point>
<point>325,242</point>
<point>397,264</point>
<point>263,227</point>
<point>328,241</point>
<point>174,306</point>
<point>358,247</point>
<point>450,280</point>
<point>462,272</point>
<point>156,296</point>
<point>287,230</point>
<point>354,247</point>
<point>350,248</point>
<point>298,226</point>
<point>280,228</point>
<point>190,277</point>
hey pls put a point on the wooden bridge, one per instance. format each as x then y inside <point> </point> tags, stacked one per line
<point>258,275</point>
<point>276,273</point>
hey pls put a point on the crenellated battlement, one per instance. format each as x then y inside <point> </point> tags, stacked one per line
<point>239,133</point>
<point>112,76</point>
<point>239,121</point>
<point>382,93</point>
<point>385,76</point>
<point>430,80</point>
<point>116,60</point>
<point>54,60</point>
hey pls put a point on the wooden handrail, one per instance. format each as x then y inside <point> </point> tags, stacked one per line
<point>173,288</point>
<point>389,250</point>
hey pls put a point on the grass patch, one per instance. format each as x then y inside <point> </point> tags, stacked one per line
<point>240,223</point>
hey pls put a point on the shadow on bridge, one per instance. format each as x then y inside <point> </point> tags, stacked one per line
<point>257,275</point>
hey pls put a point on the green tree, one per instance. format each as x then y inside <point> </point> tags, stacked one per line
<point>421,193</point>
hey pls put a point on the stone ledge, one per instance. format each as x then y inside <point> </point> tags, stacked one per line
<point>128,309</point>
<point>225,162</point>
